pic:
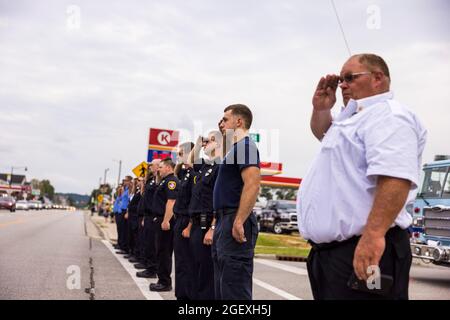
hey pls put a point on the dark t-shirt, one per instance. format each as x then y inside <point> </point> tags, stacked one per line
<point>203,189</point>
<point>229,184</point>
<point>186,178</point>
<point>167,189</point>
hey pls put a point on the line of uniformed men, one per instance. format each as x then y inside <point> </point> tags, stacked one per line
<point>181,208</point>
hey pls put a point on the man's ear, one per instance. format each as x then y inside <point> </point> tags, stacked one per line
<point>239,123</point>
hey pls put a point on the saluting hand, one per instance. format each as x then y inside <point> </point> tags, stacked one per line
<point>325,95</point>
<point>368,253</point>
<point>238,232</point>
<point>165,225</point>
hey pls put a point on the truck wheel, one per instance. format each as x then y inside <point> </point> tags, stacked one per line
<point>277,228</point>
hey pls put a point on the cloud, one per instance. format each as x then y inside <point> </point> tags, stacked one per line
<point>72,100</point>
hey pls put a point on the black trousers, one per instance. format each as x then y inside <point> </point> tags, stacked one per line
<point>140,240</point>
<point>233,261</point>
<point>117,221</point>
<point>330,269</point>
<point>183,260</point>
<point>133,225</point>
<point>164,251</point>
<point>121,232</point>
<point>149,243</point>
<point>203,267</point>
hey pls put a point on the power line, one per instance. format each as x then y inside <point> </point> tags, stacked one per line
<point>342,29</point>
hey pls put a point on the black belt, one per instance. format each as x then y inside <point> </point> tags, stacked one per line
<point>226,211</point>
<point>354,239</point>
<point>203,220</point>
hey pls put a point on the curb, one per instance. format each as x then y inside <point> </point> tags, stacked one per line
<point>102,233</point>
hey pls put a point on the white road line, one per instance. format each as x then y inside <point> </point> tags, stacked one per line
<point>142,283</point>
<point>283,267</point>
<point>275,290</point>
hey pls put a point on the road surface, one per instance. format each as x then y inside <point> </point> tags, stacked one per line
<point>53,254</point>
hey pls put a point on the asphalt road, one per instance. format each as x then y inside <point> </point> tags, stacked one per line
<point>42,252</point>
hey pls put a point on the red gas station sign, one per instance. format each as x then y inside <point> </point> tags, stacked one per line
<point>163,138</point>
<point>162,143</point>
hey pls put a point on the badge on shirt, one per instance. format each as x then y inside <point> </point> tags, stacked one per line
<point>172,185</point>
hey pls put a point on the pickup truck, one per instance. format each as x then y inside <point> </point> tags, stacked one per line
<point>279,216</point>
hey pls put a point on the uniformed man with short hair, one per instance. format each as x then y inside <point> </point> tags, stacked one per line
<point>182,251</point>
<point>235,193</point>
<point>202,215</point>
<point>121,221</point>
<point>150,262</point>
<point>162,206</point>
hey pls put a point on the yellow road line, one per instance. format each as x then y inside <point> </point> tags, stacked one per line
<point>5,224</point>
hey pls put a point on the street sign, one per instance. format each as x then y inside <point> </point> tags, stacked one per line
<point>141,169</point>
<point>255,137</point>
<point>36,192</point>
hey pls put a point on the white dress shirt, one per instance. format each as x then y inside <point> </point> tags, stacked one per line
<point>370,137</point>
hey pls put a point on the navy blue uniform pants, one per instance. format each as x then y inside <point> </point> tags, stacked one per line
<point>164,251</point>
<point>149,243</point>
<point>121,231</point>
<point>183,260</point>
<point>140,240</point>
<point>233,261</point>
<point>203,268</point>
<point>133,224</point>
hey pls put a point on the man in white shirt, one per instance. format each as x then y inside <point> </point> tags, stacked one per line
<point>351,204</point>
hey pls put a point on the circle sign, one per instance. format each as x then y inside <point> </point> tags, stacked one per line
<point>163,138</point>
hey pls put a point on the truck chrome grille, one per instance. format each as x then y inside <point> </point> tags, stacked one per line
<point>437,222</point>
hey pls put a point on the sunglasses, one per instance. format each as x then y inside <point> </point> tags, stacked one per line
<point>349,77</point>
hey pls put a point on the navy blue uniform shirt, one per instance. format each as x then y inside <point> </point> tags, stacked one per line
<point>150,188</point>
<point>203,189</point>
<point>186,177</point>
<point>229,184</point>
<point>167,189</point>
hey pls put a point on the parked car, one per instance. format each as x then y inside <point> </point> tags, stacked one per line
<point>8,203</point>
<point>279,216</point>
<point>22,205</point>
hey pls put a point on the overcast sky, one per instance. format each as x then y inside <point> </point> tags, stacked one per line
<point>81,82</point>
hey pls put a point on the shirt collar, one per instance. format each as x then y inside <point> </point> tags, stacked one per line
<point>355,106</point>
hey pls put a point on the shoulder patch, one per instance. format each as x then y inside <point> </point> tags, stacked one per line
<point>172,185</point>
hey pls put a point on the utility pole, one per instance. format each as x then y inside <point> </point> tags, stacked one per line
<point>104,178</point>
<point>120,169</point>
<point>12,172</point>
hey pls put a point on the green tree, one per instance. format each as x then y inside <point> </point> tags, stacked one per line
<point>47,189</point>
<point>266,193</point>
